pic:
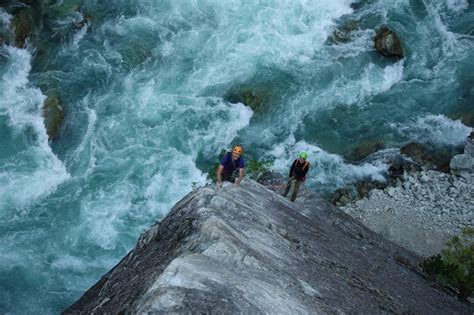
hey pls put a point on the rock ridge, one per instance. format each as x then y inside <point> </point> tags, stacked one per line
<point>248,250</point>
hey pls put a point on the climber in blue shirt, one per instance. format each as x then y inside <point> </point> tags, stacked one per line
<point>231,162</point>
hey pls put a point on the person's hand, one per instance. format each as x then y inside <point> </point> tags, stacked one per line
<point>237,184</point>
<point>219,185</point>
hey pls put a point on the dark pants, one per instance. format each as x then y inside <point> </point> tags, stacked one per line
<point>296,188</point>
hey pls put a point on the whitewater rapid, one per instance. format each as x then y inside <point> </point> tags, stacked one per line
<point>145,90</point>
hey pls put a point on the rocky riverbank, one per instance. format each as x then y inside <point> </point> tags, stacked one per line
<point>422,209</point>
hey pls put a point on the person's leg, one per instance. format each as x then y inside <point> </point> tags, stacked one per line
<point>287,188</point>
<point>295,189</point>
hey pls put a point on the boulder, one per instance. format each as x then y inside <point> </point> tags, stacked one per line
<point>363,187</point>
<point>388,43</point>
<point>247,250</point>
<point>53,114</point>
<point>418,152</point>
<point>464,163</point>
<point>342,196</point>
<point>469,147</point>
<point>399,166</point>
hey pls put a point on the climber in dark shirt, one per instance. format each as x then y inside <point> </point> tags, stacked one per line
<point>297,175</point>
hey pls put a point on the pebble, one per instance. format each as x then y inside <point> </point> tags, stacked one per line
<point>424,178</point>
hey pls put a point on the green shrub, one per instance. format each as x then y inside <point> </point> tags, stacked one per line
<point>454,266</point>
<point>255,168</point>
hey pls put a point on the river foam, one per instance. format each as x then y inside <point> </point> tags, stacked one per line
<point>20,107</point>
<point>145,89</point>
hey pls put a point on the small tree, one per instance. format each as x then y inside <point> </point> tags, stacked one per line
<point>454,266</point>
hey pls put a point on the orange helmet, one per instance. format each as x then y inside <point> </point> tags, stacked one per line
<point>237,149</point>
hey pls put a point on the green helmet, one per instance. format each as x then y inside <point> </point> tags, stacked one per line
<point>304,155</point>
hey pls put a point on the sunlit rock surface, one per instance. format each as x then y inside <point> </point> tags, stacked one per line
<point>247,249</point>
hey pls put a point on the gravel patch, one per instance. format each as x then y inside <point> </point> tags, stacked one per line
<point>422,212</point>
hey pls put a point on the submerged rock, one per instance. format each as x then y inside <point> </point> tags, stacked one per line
<point>365,149</point>
<point>388,43</point>
<point>53,114</point>
<point>248,250</point>
<point>467,117</point>
<point>257,99</point>
<point>342,34</point>
<point>357,5</point>
<point>23,23</point>
<point>85,21</point>
<point>64,7</point>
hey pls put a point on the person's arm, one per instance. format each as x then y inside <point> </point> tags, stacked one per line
<point>241,176</point>
<point>305,171</point>
<point>220,168</point>
<point>219,172</point>
<point>292,168</point>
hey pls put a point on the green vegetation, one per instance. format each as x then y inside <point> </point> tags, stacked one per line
<point>454,266</point>
<point>255,168</point>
